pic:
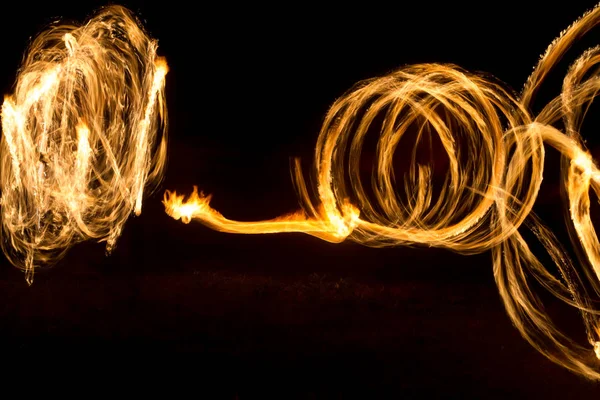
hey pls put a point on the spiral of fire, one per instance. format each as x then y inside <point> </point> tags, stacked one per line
<point>478,196</point>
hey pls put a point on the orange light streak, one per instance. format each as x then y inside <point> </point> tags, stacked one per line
<point>495,152</point>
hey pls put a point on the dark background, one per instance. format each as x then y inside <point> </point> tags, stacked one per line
<point>287,316</point>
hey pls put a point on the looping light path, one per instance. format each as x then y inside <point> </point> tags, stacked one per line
<point>83,134</point>
<point>479,199</point>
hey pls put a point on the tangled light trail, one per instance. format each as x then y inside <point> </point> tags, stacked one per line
<point>83,135</point>
<point>480,199</point>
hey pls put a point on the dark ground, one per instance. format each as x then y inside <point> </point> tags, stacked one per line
<point>247,89</point>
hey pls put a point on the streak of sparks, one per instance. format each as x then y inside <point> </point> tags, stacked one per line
<point>495,155</point>
<point>83,135</point>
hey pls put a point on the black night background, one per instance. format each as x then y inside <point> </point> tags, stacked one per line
<point>288,316</point>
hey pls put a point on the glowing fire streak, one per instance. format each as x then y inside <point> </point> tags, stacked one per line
<point>495,155</point>
<point>83,135</point>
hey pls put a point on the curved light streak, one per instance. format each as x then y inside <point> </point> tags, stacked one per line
<point>480,200</point>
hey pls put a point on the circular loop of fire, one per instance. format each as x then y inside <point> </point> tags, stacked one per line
<point>493,152</point>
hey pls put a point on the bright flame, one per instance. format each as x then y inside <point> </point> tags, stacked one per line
<point>83,135</point>
<point>330,228</point>
<point>494,151</point>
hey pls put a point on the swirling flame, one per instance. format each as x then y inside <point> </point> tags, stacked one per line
<point>480,200</point>
<point>83,134</point>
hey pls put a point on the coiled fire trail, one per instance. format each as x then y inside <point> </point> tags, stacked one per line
<point>83,135</point>
<point>480,198</point>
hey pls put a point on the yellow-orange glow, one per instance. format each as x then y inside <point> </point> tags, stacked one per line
<point>494,150</point>
<point>83,134</point>
<point>330,228</point>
